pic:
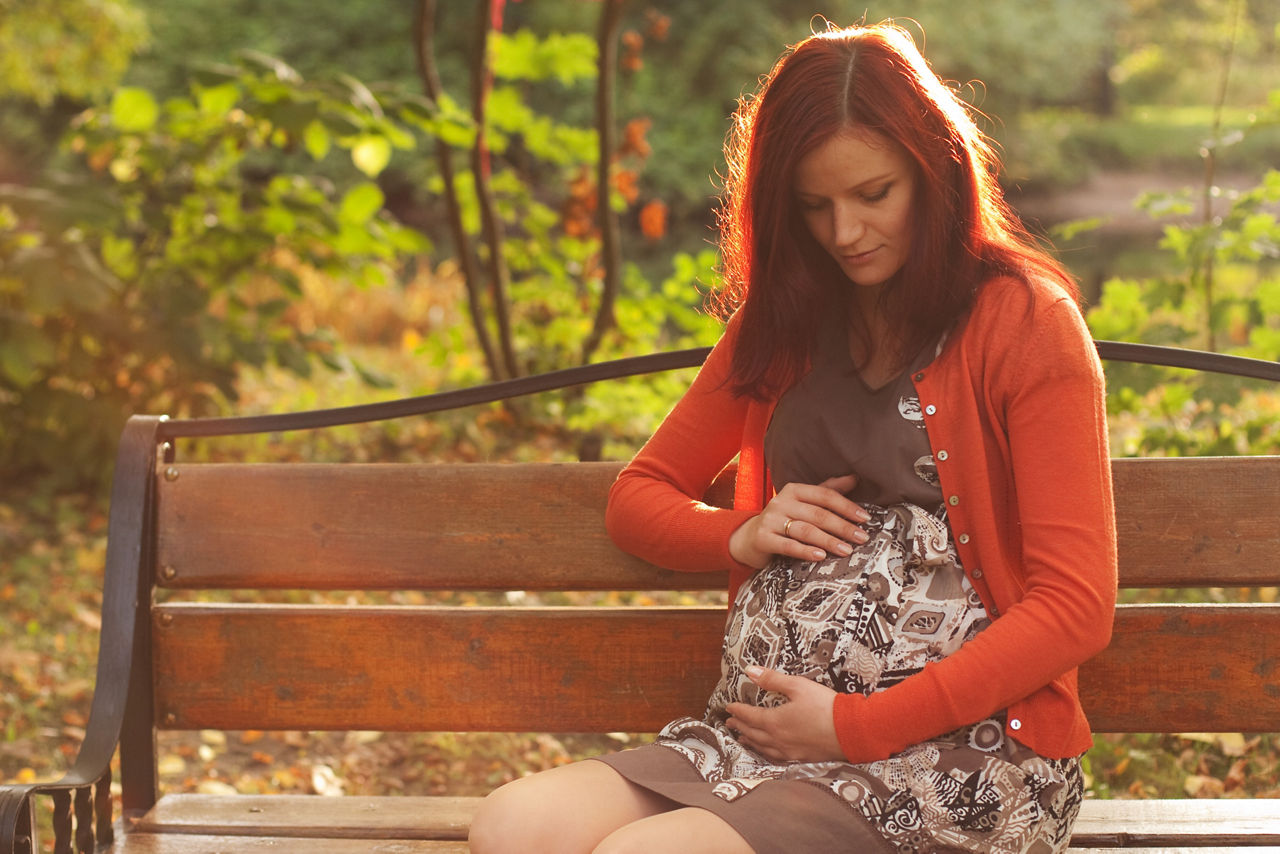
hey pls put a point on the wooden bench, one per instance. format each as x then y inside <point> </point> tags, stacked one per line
<point>168,662</point>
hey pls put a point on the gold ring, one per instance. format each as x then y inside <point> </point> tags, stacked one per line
<point>786,529</point>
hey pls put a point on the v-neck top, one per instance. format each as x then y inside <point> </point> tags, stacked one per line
<point>831,423</point>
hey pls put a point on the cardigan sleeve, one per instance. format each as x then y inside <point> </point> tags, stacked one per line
<point>655,509</point>
<point>1058,544</point>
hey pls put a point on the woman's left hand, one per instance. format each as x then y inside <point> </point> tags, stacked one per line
<point>800,730</point>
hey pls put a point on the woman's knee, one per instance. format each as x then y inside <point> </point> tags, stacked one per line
<point>566,809</point>
<point>688,830</point>
<point>509,819</point>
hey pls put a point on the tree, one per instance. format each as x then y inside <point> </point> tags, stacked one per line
<point>142,279</point>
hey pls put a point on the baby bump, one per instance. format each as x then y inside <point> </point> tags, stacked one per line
<point>856,624</point>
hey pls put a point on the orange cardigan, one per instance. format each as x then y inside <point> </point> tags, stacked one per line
<point>1018,431</point>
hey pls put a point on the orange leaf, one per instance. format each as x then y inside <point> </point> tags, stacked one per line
<point>633,138</point>
<point>1235,778</point>
<point>627,183</point>
<point>659,24</point>
<point>653,220</point>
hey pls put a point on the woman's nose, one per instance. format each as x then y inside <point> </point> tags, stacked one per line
<point>847,226</point>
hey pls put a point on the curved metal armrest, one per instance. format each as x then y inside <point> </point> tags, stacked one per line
<point>122,686</point>
<point>92,814</point>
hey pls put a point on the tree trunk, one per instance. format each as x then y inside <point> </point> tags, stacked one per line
<point>424,48</point>
<point>610,239</point>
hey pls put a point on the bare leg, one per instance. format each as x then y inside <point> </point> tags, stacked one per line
<point>566,810</point>
<point>686,830</point>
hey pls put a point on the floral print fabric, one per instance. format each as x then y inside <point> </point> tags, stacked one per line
<point>862,624</point>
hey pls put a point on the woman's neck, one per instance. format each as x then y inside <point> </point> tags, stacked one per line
<point>874,348</point>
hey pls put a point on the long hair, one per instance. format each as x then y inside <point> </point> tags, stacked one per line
<point>780,280</point>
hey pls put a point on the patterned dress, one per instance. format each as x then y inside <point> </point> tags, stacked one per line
<point>861,624</point>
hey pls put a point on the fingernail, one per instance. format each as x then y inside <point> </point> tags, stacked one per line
<point>817,554</point>
<point>862,536</point>
<point>754,671</point>
<point>844,549</point>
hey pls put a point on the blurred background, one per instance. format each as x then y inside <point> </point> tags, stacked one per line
<point>231,207</point>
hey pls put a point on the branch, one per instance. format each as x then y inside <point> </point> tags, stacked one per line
<point>610,241</point>
<point>1210,169</point>
<point>424,49</point>
<point>481,84</point>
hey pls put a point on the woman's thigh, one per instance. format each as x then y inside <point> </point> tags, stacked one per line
<point>568,809</point>
<point>686,830</point>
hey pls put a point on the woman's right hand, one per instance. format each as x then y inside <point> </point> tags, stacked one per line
<point>804,521</point>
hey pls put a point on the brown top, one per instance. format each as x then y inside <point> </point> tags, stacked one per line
<point>832,423</point>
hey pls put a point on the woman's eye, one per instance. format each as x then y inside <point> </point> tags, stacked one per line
<point>879,195</point>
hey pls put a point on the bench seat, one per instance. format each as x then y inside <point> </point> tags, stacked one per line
<point>204,824</point>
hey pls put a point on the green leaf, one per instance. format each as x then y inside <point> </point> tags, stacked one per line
<point>1268,296</point>
<point>119,256</point>
<point>315,137</point>
<point>24,351</point>
<point>371,154</point>
<point>372,377</point>
<point>279,220</point>
<point>361,203</point>
<point>523,56</point>
<point>1068,230</point>
<point>134,110</point>
<point>218,100</point>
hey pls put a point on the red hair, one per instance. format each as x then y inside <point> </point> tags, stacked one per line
<point>777,277</point>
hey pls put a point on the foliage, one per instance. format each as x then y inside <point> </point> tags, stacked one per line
<point>1162,49</point>
<point>1226,289</point>
<point>167,258</point>
<point>71,48</point>
<point>536,201</point>
<point>1003,44</point>
<point>317,37</point>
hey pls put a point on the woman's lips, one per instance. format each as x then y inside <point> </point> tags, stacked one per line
<point>861,257</point>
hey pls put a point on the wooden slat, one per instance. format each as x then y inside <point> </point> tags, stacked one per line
<point>1198,522</point>
<point>1102,825</point>
<point>1182,522</point>
<point>203,843</point>
<point>400,668</point>
<point>356,817</point>
<point>1170,668</point>
<point>1187,668</point>
<point>1157,823</point>
<point>536,526</point>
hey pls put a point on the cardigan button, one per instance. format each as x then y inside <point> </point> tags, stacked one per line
<point>930,409</point>
<point>977,573</point>
<point>942,456</point>
<point>1015,724</point>
<point>963,538</point>
<point>918,377</point>
<point>953,500</point>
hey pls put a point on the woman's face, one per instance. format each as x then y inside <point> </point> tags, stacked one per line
<point>855,193</point>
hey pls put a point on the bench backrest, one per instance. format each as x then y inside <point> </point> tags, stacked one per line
<point>1203,522</point>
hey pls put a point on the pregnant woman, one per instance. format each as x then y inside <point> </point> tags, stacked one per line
<point>921,548</point>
